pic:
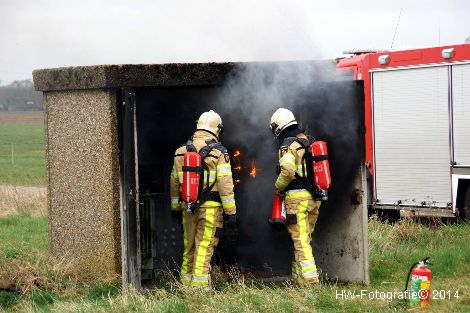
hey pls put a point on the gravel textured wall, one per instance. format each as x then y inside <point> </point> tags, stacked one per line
<point>83,179</point>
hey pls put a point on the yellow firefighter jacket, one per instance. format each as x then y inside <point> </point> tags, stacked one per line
<point>219,171</point>
<point>290,163</point>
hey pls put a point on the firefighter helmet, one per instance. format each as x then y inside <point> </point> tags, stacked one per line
<point>210,121</point>
<point>280,120</point>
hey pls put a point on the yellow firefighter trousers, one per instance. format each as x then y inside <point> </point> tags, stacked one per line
<point>200,240</point>
<point>301,204</point>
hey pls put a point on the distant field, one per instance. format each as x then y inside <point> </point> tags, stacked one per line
<point>21,118</point>
<point>22,152</point>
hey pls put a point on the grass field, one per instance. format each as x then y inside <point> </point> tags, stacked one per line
<point>48,285</point>
<point>22,149</point>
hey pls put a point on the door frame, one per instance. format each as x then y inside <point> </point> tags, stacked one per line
<point>129,189</point>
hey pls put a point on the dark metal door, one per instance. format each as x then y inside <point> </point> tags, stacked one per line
<point>332,111</point>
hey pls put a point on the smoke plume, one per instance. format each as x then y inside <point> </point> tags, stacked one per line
<point>314,91</point>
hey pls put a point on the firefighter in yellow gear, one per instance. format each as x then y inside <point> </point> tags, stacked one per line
<point>301,207</point>
<point>202,228</point>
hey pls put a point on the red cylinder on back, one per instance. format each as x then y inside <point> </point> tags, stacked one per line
<point>278,213</point>
<point>321,166</point>
<point>191,177</point>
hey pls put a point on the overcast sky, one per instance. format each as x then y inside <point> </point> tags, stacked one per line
<point>53,33</point>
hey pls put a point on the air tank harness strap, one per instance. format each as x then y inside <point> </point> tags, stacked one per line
<point>318,158</point>
<point>196,169</point>
<point>304,144</point>
<point>191,148</point>
<point>306,180</point>
<point>204,194</point>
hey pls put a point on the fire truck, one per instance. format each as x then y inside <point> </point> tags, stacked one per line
<point>417,120</point>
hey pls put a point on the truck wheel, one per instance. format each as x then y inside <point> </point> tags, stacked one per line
<point>465,212</point>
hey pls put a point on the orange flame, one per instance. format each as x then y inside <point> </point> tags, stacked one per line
<point>237,181</point>
<point>253,169</point>
<point>238,168</point>
<point>237,153</point>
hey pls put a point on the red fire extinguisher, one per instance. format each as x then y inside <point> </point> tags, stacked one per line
<point>321,165</point>
<point>420,292</point>
<point>278,213</point>
<point>191,177</point>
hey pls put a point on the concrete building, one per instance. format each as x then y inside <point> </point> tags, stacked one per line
<point>111,132</point>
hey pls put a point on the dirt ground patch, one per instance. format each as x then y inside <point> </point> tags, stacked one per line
<point>21,117</point>
<point>14,199</point>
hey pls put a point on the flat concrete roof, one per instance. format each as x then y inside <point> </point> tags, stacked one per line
<point>152,75</point>
<point>131,75</point>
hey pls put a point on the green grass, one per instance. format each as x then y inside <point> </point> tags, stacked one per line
<point>393,248</point>
<point>23,233</point>
<point>28,166</point>
<point>447,246</point>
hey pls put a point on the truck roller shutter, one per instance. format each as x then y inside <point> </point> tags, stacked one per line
<point>411,136</point>
<point>461,113</point>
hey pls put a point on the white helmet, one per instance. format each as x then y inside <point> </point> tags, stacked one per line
<point>211,122</point>
<point>280,120</point>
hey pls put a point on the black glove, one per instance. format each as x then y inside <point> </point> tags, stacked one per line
<point>177,216</point>
<point>230,221</point>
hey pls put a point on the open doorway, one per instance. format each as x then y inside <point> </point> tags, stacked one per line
<point>157,120</point>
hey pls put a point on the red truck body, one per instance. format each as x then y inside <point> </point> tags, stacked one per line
<point>454,60</point>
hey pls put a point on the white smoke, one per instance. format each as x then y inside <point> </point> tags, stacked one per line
<point>255,90</point>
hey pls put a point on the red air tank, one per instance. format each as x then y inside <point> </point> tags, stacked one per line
<point>278,213</point>
<point>321,166</point>
<point>191,175</point>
